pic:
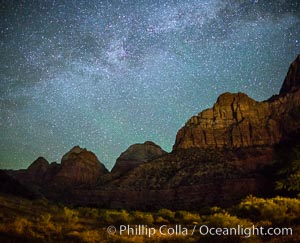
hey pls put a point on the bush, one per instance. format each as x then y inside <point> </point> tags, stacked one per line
<point>278,210</point>
<point>225,220</point>
<point>47,226</point>
<point>71,216</point>
<point>90,236</point>
<point>166,214</point>
<point>142,218</point>
<point>161,220</point>
<point>288,169</point>
<point>114,217</point>
<point>89,212</point>
<point>185,217</point>
<point>22,226</point>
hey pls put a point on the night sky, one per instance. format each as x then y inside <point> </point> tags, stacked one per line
<point>108,74</point>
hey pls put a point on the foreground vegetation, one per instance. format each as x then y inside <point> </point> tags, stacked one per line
<point>23,220</point>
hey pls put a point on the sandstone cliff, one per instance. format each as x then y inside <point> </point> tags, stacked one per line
<point>219,156</point>
<point>137,154</point>
<point>79,166</point>
<point>37,170</point>
<point>292,80</point>
<point>236,120</point>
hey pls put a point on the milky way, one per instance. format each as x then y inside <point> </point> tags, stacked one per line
<point>108,74</point>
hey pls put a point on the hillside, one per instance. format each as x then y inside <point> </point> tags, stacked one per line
<point>220,156</point>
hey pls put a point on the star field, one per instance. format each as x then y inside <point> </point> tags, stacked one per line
<point>108,74</point>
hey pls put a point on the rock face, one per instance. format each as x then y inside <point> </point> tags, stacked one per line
<point>137,154</point>
<point>184,179</point>
<point>236,120</point>
<point>37,170</point>
<point>219,157</point>
<point>192,197</point>
<point>292,80</point>
<point>34,175</point>
<point>79,166</point>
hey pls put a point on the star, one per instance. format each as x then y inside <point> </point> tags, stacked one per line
<point>105,75</point>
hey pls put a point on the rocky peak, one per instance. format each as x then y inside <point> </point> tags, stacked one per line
<point>142,152</point>
<point>237,120</point>
<point>79,166</point>
<point>137,154</point>
<point>292,80</point>
<point>37,170</point>
<point>39,166</point>
<point>73,153</point>
<point>232,106</point>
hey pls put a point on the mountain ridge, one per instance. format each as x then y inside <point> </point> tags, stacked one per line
<point>219,156</point>
<point>236,120</point>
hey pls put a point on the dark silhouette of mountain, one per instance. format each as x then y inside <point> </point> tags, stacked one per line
<point>219,157</point>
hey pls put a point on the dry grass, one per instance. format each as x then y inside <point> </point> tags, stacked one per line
<point>23,220</point>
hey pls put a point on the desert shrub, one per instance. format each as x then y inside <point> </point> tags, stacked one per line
<point>120,217</point>
<point>149,220</point>
<point>166,214</point>
<point>160,220</point>
<point>104,217</point>
<point>88,212</point>
<point>292,181</point>
<point>226,220</point>
<point>22,225</point>
<point>45,218</point>
<point>287,167</point>
<point>187,217</point>
<point>89,236</point>
<point>114,217</point>
<point>216,209</point>
<point>47,225</point>
<point>142,218</point>
<point>278,210</point>
<point>70,215</point>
